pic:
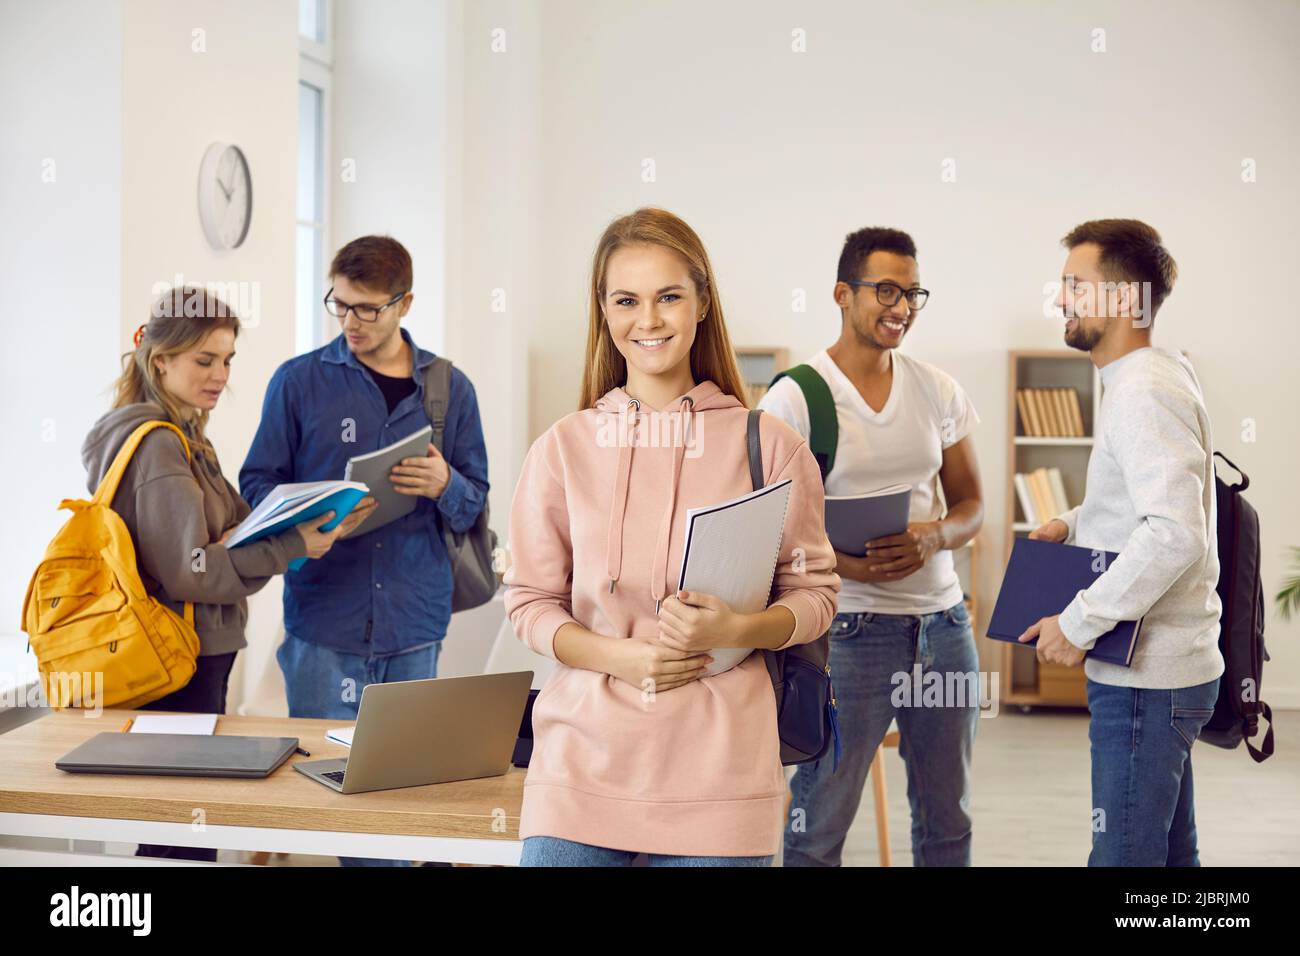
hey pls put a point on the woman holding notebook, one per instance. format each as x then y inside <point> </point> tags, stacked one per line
<point>635,748</point>
<point>179,509</point>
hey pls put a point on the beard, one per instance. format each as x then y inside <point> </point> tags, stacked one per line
<point>866,335</point>
<point>1085,340</point>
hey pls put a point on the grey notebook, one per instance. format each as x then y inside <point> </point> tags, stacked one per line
<point>731,551</point>
<point>373,469</point>
<point>853,520</point>
<point>179,755</point>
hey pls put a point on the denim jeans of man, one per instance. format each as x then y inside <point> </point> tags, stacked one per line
<point>870,655</point>
<point>553,851</point>
<point>326,684</point>
<point>1142,772</point>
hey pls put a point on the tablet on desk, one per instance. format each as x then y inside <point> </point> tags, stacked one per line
<point>372,470</point>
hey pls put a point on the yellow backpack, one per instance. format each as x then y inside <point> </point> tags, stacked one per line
<point>88,619</point>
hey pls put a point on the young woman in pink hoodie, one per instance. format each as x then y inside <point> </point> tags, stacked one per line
<point>635,750</point>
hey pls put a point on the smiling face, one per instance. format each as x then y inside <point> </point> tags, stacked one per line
<point>196,378</point>
<point>1086,299</point>
<point>879,326</point>
<point>651,308</point>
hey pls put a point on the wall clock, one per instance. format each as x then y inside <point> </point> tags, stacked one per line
<point>225,196</point>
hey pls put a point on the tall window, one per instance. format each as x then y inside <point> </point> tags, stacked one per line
<point>314,73</point>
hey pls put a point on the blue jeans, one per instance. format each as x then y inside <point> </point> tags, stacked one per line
<point>1142,772</point>
<point>873,668</point>
<point>553,851</point>
<point>326,684</point>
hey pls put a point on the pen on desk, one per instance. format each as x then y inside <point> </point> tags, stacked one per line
<point>127,726</point>
<point>303,752</point>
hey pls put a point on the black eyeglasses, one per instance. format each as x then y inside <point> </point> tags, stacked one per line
<point>366,313</point>
<point>888,293</point>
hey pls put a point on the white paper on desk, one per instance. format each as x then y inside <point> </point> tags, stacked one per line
<point>200,724</point>
<point>341,735</point>
<point>731,551</point>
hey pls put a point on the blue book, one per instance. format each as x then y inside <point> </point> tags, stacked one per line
<point>1042,578</point>
<point>287,505</point>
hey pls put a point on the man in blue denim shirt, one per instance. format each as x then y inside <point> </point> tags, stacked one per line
<point>376,608</point>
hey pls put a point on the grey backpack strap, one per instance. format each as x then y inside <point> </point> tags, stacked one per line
<point>437,393</point>
<point>755,449</point>
<point>473,573</point>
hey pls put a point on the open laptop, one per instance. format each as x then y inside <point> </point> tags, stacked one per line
<point>417,732</point>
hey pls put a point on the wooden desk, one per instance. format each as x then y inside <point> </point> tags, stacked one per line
<point>469,821</point>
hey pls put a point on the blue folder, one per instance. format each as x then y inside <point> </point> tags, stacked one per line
<point>341,502</point>
<point>1042,578</point>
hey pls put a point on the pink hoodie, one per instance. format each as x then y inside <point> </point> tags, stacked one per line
<point>694,770</point>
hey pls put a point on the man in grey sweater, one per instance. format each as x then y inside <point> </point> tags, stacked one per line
<point>1150,497</point>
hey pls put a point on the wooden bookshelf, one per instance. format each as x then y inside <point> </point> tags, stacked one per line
<point>966,562</point>
<point>1024,682</point>
<point>758,364</point>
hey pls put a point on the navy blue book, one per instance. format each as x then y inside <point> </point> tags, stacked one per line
<point>1042,579</point>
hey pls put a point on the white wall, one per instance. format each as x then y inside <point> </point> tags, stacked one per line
<point>453,182</point>
<point>125,98</point>
<point>498,290</point>
<point>241,89</point>
<point>60,261</point>
<point>388,123</point>
<point>774,156</point>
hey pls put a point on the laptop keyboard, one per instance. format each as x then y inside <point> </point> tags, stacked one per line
<point>335,775</point>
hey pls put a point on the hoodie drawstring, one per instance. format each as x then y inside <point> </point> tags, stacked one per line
<point>622,479</point>
<point>659,580</point>
<point>622,482</point>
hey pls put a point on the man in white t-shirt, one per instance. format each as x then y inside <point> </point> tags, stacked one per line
<point>902,628</point>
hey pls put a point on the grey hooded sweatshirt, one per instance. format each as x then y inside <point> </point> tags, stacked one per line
<point>176,512</point>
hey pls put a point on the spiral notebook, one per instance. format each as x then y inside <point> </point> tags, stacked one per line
<point>731,551</point>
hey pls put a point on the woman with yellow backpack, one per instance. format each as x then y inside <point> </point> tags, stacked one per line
<point>177,505</point>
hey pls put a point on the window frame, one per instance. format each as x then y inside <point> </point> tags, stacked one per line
<point>315,70</point>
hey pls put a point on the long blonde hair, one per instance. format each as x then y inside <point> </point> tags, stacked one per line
<point>712,356</point>
<point>179,320</point>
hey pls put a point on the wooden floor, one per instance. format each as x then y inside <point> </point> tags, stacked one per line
<point>1030,798</point>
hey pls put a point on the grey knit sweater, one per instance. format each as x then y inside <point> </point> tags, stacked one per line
<point>1150,497</point>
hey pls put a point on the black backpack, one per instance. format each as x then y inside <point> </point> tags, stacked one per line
<point>1241,627</point>
<point>801,675</point>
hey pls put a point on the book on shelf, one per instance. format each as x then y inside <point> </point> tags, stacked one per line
<point>1041,494</point>
<point>1050,412</point>
<point>1063,426</point>
<point>1053,427</point>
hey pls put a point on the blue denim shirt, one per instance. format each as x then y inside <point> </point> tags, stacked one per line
<point>390,590</point>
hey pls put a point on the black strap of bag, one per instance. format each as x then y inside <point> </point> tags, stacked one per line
<point>1237,715</point>
<point>801,675</point>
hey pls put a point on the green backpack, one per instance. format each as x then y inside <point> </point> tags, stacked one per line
<point>824,425</point>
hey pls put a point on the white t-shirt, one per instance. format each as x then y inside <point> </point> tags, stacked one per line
<point>903,443</point>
